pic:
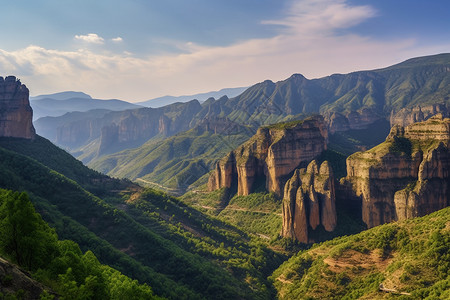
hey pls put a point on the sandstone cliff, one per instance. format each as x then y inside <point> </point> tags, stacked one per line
<point>404,177</point>
<point>16,114</point>
<point>271,154</point>
<point>309,200</point>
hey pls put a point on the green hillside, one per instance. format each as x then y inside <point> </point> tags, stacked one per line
<point>61,266</point>
<point>407,260</point>
<point>174,163</point>
<point>154,238</point>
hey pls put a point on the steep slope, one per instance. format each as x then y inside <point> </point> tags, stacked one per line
<point>404,260</point>
<point>404,177</point>
<point>16,282</point>
<point>176,162</point>
<point>136,237</point>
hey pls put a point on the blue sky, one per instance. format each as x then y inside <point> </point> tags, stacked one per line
<point>137,50</point>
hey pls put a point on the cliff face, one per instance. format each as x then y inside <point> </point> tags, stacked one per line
<point>404,177</point>
<point>131,128</point>
<point>410,115</point>
<point>272,153</point>
<point>309,200</point>
<point>16,114</point>
<point>360,119</point>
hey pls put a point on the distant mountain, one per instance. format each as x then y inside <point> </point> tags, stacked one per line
<point>62,96</point>
<point>44,107</point>
<point>166,100</point>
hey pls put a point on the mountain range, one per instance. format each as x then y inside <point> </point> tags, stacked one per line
<point>407,92</point>
<point>248,228</point>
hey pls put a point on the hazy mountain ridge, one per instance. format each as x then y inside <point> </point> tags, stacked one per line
<point>347,101</point>
<point>166,100</point>
<point>54,107</point>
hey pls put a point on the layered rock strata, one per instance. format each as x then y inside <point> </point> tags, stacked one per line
<point>406,176</point>
<point>409,115</point>
<point>16,114</point>
<point>309,201</point>
<point>339,122</point>
<point>271,154</point>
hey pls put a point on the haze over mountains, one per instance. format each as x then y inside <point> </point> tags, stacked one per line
<point>58,104</point>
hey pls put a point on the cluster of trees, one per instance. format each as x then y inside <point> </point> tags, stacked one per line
<point>28,241</point>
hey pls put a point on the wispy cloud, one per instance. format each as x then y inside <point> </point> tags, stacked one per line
<point>117,39</point>
<point>90,38</point>
<point>307,43</point>
<point>312,17</point>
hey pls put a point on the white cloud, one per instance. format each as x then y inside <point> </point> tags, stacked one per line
<point>312,17</point>
<point>117,39</point>
<point>90,38</point>
<point>306,44</point>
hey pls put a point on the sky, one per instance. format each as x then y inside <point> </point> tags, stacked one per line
<point>137,50</point>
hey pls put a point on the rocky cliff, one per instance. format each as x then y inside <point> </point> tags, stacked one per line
<point>270,155</point>
<point>309,201</point>
<point>16,114</point>
<point>116,131</point>
<point>404,177</point>
<point>410,115</point>
<point>360,119</point>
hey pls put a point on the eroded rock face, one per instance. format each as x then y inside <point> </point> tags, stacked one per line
<point>271,154</point>
<point>309,201</point>
<point>406,176</point>
<point>338,122</point>
<point>410,115</point>
<point>134,127</point>
<point>16,114</point>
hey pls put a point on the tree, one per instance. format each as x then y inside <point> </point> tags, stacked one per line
<point>24,236</point>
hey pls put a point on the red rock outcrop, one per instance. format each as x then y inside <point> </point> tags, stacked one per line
<point>16,114</point>
<point>272,153</point>
<point>309,201</point>
<point>404,177</point>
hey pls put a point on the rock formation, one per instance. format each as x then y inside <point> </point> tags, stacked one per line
<point>409,115</point>
<point>16,114</point>
<point>406,176</point>
<point>131,128</point>
<point>338,122</point>
<point>309,200</point>
<point>271,154</point>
